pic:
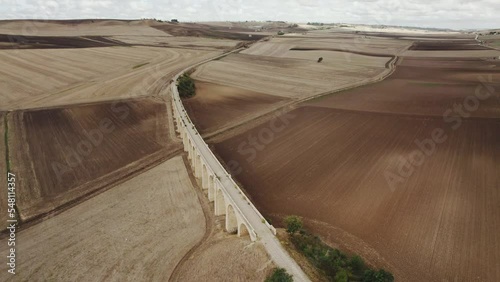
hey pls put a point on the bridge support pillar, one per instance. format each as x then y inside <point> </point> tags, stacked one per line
<point>220,205</point>
<point>193,156</point>
<point>243,230</point>
<point>231,220</point>
<point>211,188</point>
<point>205,177</point>
<point>185,142</point>
<point>198,167</point>
<point>189,150</point>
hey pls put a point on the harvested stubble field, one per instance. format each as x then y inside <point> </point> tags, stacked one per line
<point>55,42</point>
<point>3,173</point>
<point>209,31</point>
<point>137,231</point>
<point>331,165</point>
<point>199,43</point>
<point>100,33</point>
<point>216,261</point>
<point>290,77</point>
<point>66,153</point>
<point>79,28</point>
<point>45,78</point>
<point>339,41</point>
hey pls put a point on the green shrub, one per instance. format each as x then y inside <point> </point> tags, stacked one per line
<point>293,224</point>
<point>336,265</point>
<point>279,275</point>
<point>281,33</point>
<point>377,276</point>
<point>341,276</point>
<point>357,264</point>
<point>186,86</point>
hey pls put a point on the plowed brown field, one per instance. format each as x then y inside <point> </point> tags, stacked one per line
<point>448,45</point>
<point>427,86</point>
<point>361,168</point>
<point>215,106</point>
<point>66,153</point>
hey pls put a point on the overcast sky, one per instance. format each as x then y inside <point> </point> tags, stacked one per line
<point>456,14</point>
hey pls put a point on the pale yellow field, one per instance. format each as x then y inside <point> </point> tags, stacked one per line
<point>3,174</point>
<point>271,48</point>
<point>216,261</point>
<point>278,46</point>
<point>199,43</point>
<point>41,78</point>
<point>291,77</point>
<point>102,28</point>
<point>271,67</point>
<point>137,231</point>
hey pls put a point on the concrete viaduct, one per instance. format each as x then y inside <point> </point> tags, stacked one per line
<point>223,204</point>
<point>242,217</point>
<point>204,166</point>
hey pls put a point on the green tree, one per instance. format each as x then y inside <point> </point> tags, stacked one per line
<point>341,276</point>
<point>377,276</point>
<point>279,275</point>
<point>357,264</point>
<point>293,224</point>
<point>186,86</point>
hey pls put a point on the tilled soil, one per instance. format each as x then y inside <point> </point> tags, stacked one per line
<point>215,105</point>
<point>63,154</point>
<point>392,171</point>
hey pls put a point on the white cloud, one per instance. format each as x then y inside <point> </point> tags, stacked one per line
<point>429,13</point>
